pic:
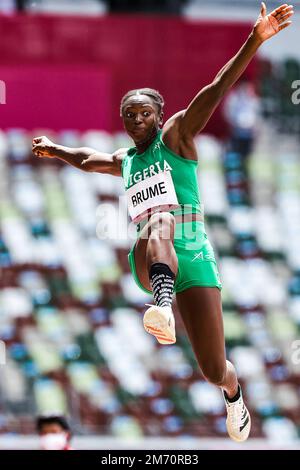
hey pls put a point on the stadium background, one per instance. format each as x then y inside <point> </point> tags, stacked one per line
<point>70,313</point>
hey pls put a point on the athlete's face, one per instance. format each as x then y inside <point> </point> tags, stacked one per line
<point>140,116</point>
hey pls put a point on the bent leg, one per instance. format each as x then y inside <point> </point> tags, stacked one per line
<point>155,245</point>
<point>160,247</point>
<point>156,267</point>
<point>201,311</point>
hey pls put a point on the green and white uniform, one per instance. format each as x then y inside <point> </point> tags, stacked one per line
<point>160,180</point>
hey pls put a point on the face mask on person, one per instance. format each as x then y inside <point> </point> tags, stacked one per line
<point>55,441</point>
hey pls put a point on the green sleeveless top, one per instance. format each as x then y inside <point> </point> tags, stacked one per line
<point>157,158</point>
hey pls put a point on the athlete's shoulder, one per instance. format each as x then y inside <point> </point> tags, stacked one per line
<point>172,137</point>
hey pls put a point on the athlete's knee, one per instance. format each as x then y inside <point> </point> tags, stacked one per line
<point>215,373</point>
<point>162,223</point>
<point>160,218</point>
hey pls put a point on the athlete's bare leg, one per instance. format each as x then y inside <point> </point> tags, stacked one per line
<point>156,265</point>
<point>156,245</point>
<point>201,311</point>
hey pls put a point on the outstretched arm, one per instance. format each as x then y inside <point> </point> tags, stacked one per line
<point>83,158</point>
<point>195,117</point>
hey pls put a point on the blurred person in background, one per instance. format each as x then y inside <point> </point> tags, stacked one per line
<point>242,111</point>
<point>54,432</point>
<point>160,173</point>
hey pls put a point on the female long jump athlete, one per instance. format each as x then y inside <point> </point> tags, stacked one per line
<point>172,253</point>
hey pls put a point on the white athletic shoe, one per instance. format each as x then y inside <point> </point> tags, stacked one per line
<point>160,322</point>
<point>238,418</point>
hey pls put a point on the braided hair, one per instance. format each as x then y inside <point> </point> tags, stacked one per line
<point>153,94</point>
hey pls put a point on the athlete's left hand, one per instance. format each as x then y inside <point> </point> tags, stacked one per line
<point>267,26</point>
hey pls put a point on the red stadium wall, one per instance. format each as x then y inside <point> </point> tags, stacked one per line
<point>69,72</point>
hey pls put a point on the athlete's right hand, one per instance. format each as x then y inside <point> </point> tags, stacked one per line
<point>43,147</point>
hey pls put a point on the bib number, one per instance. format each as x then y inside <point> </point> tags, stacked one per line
<point>152,194</point>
